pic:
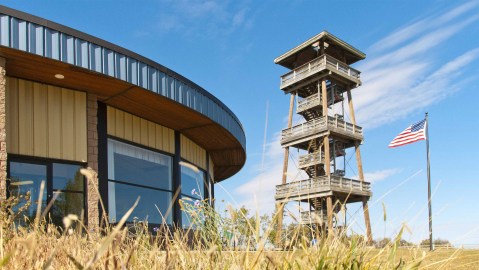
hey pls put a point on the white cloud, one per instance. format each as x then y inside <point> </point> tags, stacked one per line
<point>402,77</point>
<point>397,101</point>
<point>380,175</point>
<point>211,18</point>
<point>377,176</point>
<point>406,33</point>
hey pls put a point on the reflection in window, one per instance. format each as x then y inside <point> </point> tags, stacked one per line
<point>26,177</point>
<point>64,179</point>
<point>192,181</point>
<point>192,189</point>
<point>134,171</point>
<point>126,195</point>
<point>67,203</point>
<point>191,211</point>
<point>69,183</point>
<point>67,177</point>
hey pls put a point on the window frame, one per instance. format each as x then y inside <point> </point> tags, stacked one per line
<point>48,163</point>
<point>172,191</point>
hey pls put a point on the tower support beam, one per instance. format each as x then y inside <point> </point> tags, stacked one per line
<point>329,209</point>
<point>280,206</point>
<point>360,170</point>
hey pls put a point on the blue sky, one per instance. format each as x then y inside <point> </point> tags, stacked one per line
<point>422,56</point>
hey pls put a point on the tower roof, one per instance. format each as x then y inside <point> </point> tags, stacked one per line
<point>307,51</point>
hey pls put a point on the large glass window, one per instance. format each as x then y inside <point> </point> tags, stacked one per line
<point>135,171</point>
<point>61,178</point>
<point>192,189</point>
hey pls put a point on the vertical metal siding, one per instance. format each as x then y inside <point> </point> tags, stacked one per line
<point>4,30</point>
<point>120,66</point>
<point>52,44</point>
<point>143,75</point>
<point>132,71</point>
<point>153,81</point>
<point>35,39</point>
<point>42,40</point>
<point>82,53</point>
<point>108,62</point>
<point>95,58</point>
<point>67,49</point>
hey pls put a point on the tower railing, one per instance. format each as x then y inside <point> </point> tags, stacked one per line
<point>323,123</point>
<point>316,65</point>
<point>321,184</point>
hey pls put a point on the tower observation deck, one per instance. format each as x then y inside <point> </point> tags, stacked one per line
<point>320,79</point>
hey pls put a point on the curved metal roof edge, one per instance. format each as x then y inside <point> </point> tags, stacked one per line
<point>101,42</point>
<point>324,33</point>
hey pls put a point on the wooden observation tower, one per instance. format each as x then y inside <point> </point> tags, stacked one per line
<point>321,80</point>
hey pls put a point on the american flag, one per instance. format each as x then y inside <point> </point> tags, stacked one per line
<point>415,132</point>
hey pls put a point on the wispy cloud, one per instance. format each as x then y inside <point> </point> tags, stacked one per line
<point>258,192</point>
<point>413,29</point>
<point>377,176</point>
<point>200,18</point>
<point>409,70</point>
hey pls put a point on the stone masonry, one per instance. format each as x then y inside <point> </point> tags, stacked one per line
<point>92,152</point>
<point>3,133</point>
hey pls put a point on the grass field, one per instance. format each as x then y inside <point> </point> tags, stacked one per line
<point>446,258</point>
<point>119,249</point>
<point>440,258</point>
<point>40,245</point>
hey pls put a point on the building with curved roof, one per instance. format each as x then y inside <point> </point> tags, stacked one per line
<point>70,100</point>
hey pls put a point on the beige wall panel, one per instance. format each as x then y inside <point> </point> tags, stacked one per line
<point>193,152</point>
<point>128,126</point>
<point>159,137</point>
<point>138,130</point>
<point>25,117</point>
<point>144,131</point>
<point>201,157</point>
<point>165,139</point>
<point>119,123</point>
<point>183,148</point>
<point>171,140</point>
<point>12,115</point>
<point>110,119</point>
<point>151,135</point>
<point>80,126</point>
<point>46,121</point>
<point>68,126</point>
<point>54,121</point>
<point>40,120</point>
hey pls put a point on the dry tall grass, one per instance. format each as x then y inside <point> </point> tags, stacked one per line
<point>44,246</point>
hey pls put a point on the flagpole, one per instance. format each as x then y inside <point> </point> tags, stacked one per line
<point>431,246</point>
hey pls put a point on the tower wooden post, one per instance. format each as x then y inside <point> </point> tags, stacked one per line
<point>360,171</point>
<point>280,206</point>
